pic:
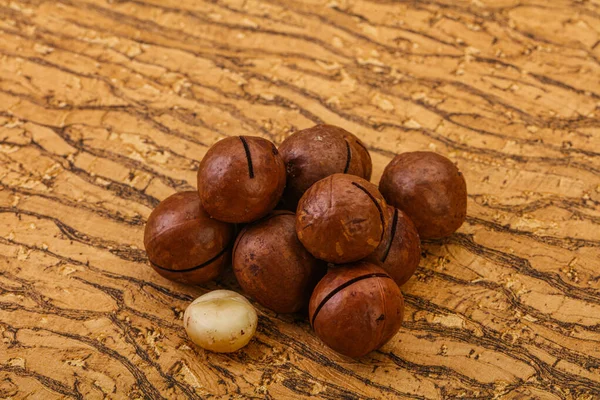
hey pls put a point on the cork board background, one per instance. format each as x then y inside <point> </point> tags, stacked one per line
<point>106,107</point>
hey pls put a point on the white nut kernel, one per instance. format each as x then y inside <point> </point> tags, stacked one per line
<point>222,321</point>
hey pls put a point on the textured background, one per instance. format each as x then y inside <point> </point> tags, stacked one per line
<point>107,106</point>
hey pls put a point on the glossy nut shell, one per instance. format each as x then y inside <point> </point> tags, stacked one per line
<point>273,267</point>
<point>315,153</point>
<point>356,308</point>
<point>340,218</point>
<point>183,243</point>
<point>429,189</point>
<point>399,252</point>
<point>241,179</point>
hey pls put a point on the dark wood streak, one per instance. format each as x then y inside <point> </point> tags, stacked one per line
<point>569,204</point>
<point>222,61</point>
<point>117,294</point>
<point>145,385</point>
<point>145,113</point>
<point>444,371</point>
<point>122,251</point>
<point>435,136</point>
<point>178,115</point>
<point>49,383</point>
<point>493,341</point>
<point>545,319</point>
<point>431,134</point>
<point>565,242</point>
<point>523,266</point>
<point>270,329</point>
<point>515,110</point>
<point>140,283</point>
<point>539,77</point>
<point>187,389</point>
<point>553,353</point>
<point>115,216</point>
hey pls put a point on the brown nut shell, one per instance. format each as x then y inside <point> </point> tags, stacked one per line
<point>399,252</point>
<point>356,308</point>
<point>340,218</point>
<point>429,189</point>
<point>315,153</point>
<point>273,267</point>
<point>241,179</point>
<point>362,153</point>
<point>183,243</point>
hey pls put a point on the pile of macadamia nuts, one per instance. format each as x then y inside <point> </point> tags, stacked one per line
<point>305,232</point>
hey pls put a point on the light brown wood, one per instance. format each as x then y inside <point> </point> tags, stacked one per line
<point>106,107</point>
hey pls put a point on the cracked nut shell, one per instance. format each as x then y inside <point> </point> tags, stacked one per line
<point>429,189</point>
<point>315,153</point>
<point>273,267</point>
<point>356,308</point>
<point>399,252</point>
<point>340,218</point>
<point>241,179</point>
<point>183,243</point>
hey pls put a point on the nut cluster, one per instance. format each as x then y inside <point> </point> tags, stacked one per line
<point>319,238</point>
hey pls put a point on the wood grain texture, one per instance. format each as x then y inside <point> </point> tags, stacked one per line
<point>106,107</point>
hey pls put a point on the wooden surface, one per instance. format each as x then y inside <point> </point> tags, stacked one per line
<point>106,107</point>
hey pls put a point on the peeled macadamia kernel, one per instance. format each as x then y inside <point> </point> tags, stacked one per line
<point>222,321</point>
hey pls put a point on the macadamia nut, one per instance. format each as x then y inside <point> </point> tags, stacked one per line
<point>184,243</point>
<point>430,189</point>
<point>315,153</point>
<point>222,321</point>
<point>340,218</point>
<point>241,179</point>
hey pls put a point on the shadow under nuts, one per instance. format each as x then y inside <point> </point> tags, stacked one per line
<point>183,243</point>
<point>315,153</point>
<point>271,265</point>
<point>399,252</point>
<point>356,308</point>
<point>241,179</point>
<point>429,189</point>
<point>340,218</point>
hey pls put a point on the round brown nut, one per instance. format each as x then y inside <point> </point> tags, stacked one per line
<point>272,266</point>
<point>340,218</point>
<point>183,243</point>
<point>315,153</point>
<point>241,179</point>
<point>429,189</point>
<point>356,308</point>
<point>399,252</point>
